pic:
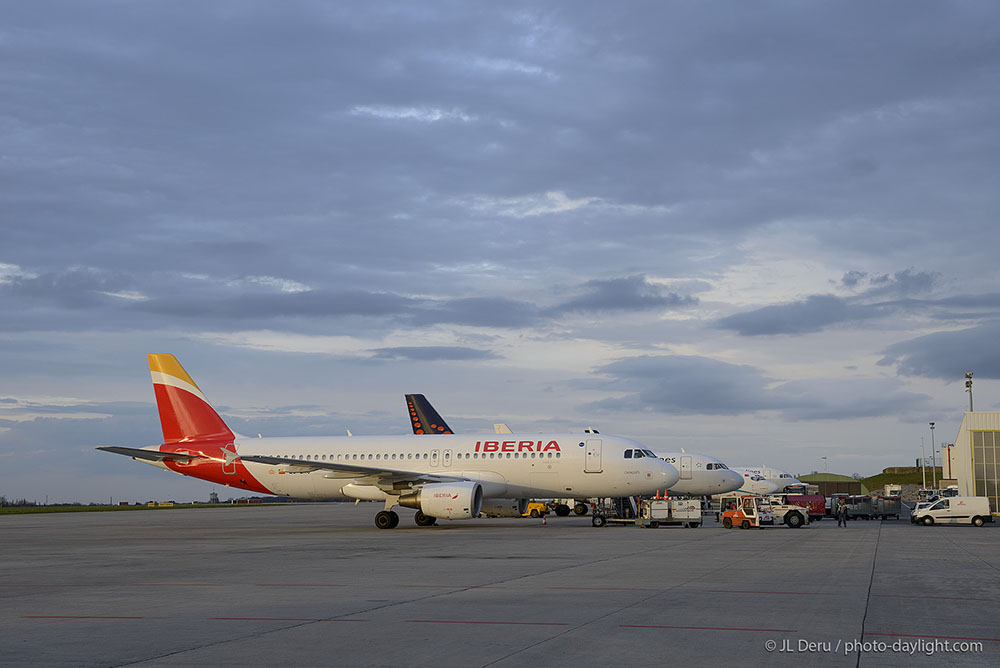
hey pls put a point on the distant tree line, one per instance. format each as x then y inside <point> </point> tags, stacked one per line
<point>5,503</point>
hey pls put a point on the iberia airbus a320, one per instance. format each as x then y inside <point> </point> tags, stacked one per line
<point>449,477</point>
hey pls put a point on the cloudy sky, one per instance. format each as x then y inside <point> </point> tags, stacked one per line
<point>767,232</point>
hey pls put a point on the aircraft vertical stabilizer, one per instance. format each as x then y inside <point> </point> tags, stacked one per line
<point>185,413</point>
<point>423,418</point>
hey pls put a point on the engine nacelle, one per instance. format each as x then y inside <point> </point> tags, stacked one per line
<point>505,507</point>
<point>447,500</point>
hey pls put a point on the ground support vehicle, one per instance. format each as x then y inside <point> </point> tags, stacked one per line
<point>859,507</point>
<point>815,504</point>
<point>789,514</point>
<point>658,512</point>
<point>536,509</point>
<point>974,510</point>
<point>615,511</point>
<point>564,507</point>
<point>885,506</point>
<point>745,512</point>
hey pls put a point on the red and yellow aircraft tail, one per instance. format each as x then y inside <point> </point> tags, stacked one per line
<point>185,414</point>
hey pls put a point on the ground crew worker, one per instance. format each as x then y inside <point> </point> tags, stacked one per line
<point>841,513</point>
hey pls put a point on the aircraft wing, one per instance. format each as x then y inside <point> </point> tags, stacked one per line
<point>374,475</point>
<point>149,455</point>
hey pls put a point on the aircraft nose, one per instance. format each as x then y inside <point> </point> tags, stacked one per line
<point>734,479</point>
<point>769,487</point>
<point>670,474</point>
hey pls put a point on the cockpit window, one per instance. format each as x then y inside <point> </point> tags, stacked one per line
<point>650,453</point>
<point>636,454</point>
<point>628,454</point>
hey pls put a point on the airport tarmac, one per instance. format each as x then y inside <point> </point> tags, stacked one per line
<point>318,585</point>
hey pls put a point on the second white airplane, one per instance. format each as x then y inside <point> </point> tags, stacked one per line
<point>699,475</point>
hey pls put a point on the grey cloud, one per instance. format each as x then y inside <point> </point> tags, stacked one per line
<point>679,384</point>
<point>251,306</point>
<point>499,312</point>
<point>625,294</point>
<point>809,315</point>
<point>433,353</point>
<point>846,399</point>
<point>688,385</point>
<point>948,355</point>
<point>899,284</point>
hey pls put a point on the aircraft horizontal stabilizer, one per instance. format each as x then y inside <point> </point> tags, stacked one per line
<point>148,455</point>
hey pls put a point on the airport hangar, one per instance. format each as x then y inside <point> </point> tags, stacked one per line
<point>974,458</point>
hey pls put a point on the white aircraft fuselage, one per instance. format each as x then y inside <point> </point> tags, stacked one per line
<point>780,479</point>
<point>701,475</point>
<point>518,466</point>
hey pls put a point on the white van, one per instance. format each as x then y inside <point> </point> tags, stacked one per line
<point>954,510</point>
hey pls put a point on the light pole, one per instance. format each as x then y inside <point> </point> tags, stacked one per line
<point>923,463</point>
<point>933,458</point>
<point>824,464</point>
<point>968,387</point>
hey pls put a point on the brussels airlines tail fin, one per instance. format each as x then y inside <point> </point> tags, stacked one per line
<point>423,418</point>
<point>185,414</point>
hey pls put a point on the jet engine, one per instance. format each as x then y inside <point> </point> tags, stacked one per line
<point>505,507</point>
<point>447,500</point>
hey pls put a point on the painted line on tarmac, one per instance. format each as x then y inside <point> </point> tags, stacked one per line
<point>299,585</point>
<point>604,588</point>
<point>177,584</point>
<point>783,593</point>
<point>702,628</point>
<point>284,619</point>
<point>942,598</point>
<point>451,586</point>
<point>913,635</point>
<point>78,617</point>
<point>461,621</point>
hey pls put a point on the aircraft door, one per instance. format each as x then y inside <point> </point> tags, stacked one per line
<point>685,467</point>
<point>593,463</point>
<point>447,457</point>
<point>435,457</point>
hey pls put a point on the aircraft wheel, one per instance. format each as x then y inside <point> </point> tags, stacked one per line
<point>928,521</point>
<point>534,512</point>
<point>977,521</point>
<point>562,510</point>
<point>745,524</point>
<point>386,519</point>
<point>727,522</point>
<point>598,521</point>
<point>424,520</point>
<point>580,509</point>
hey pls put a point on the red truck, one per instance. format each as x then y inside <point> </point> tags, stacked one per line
<point>815,504</point>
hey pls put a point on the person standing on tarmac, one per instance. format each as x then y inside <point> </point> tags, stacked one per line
<point>841,513</point>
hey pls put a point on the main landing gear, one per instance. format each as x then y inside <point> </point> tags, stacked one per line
<point>424,520</point>
<point>386,519</point>
<point>389,519</point>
